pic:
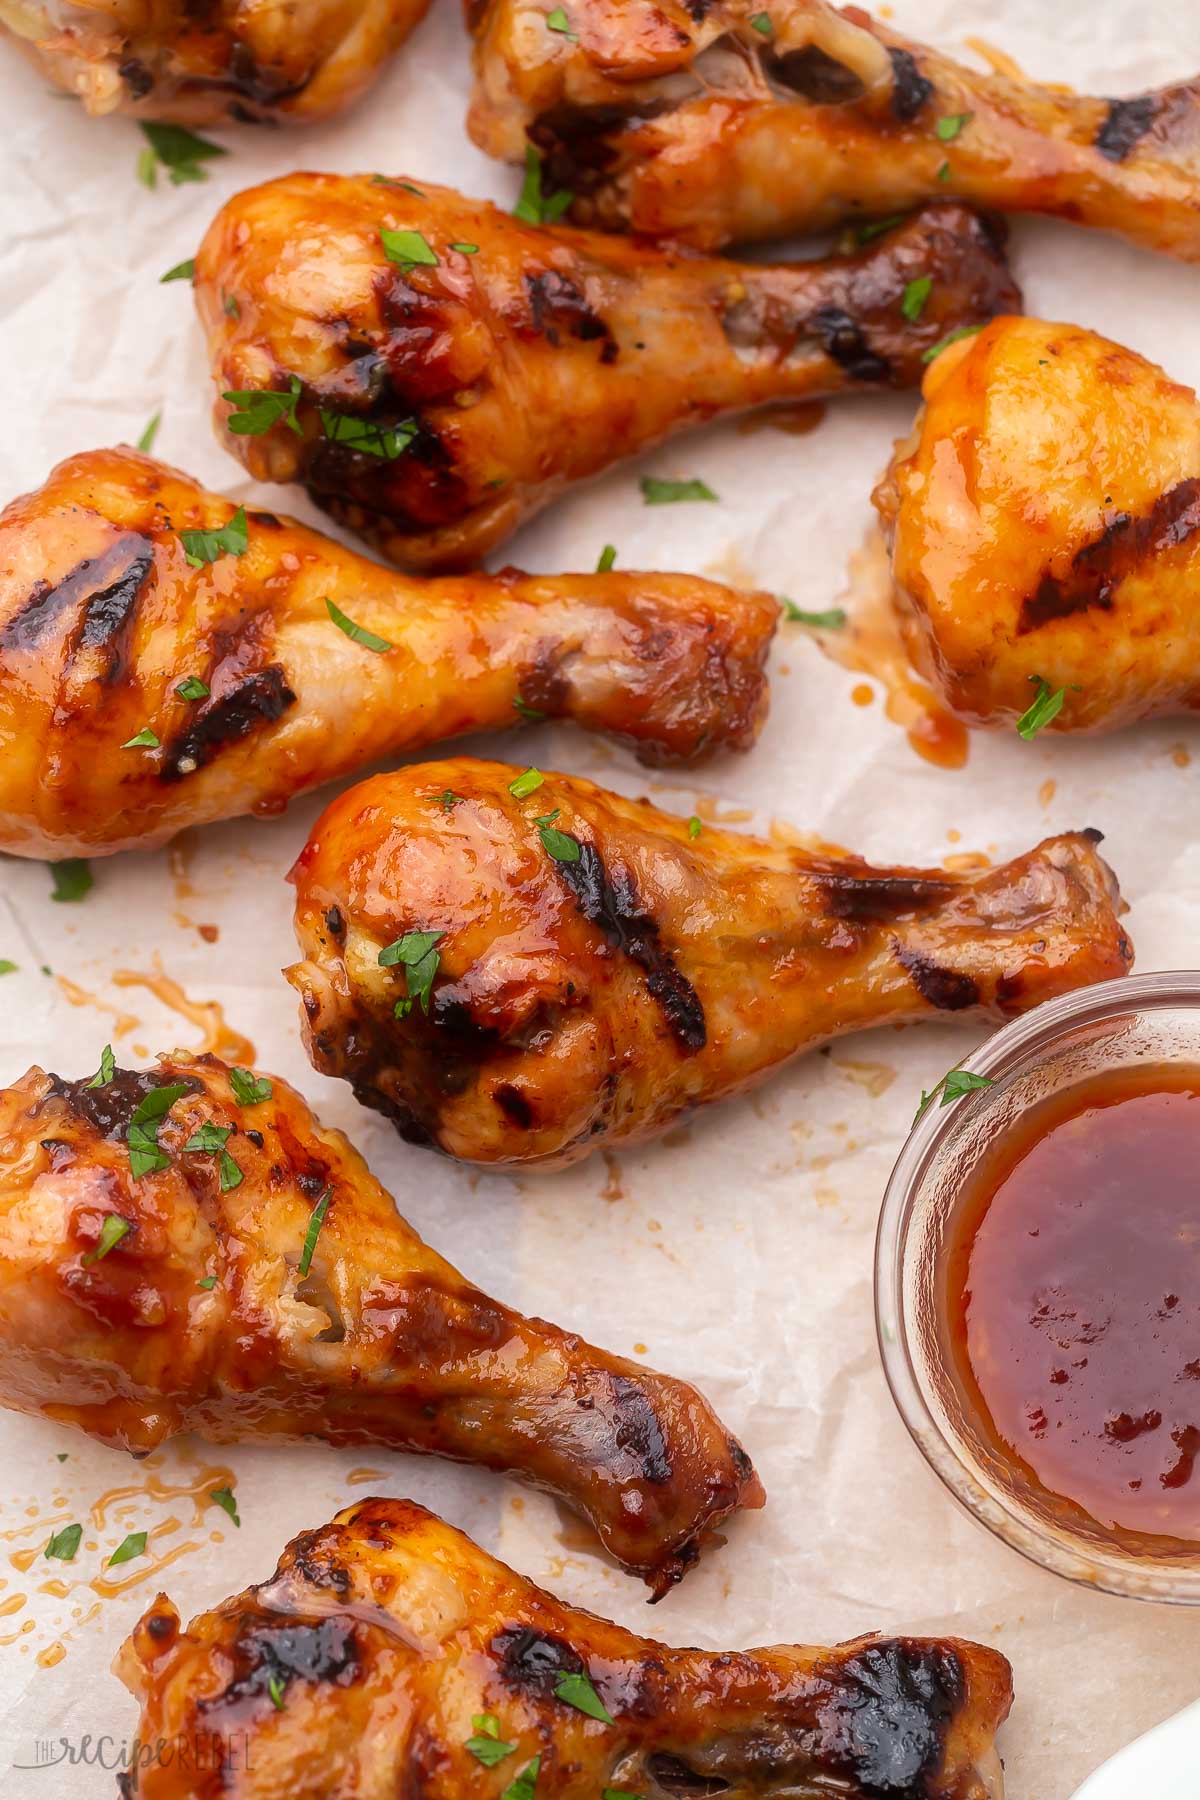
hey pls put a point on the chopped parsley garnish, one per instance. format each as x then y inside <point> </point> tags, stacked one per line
<point>528,712</point>
<point>489,1751</point>
<point>223,1498</point>
<point>145,739</point>
<point>953,1085</point>
<point>108,1064</point>
<point>384,441</point>
<point>954,337</point>
<point>466,249</point>
<point>249,1089</point>
<point>944,172</point>
<point>656,492</point>
<point>875,228</point>
<point>408,249</point>
<point>762,22</point>
<point>128,1548</point>
<point>64,1543</point>
<point>275,1689</point>
<point>209,1139</point>
<point>8,967</point>
<point>833,620</point>
<point>577,1691</point>
<point>1046,705</point>
<point>257,410</point>
<point>949,127</point>
<point>695,826</point>
<point>526,784</point>
<point>230,539</point>
<point>535,207</point>
<point>608,557</point>
<point>315,1221</point>
<point>142,1135</point>
<point>447,799</point>
<point>146,442</point>
<point>206,1282</point>
<point>181,272</point>
<point>558,844</point>
<point>915,295</point>
<point>525,1784</point>
<point>112,1231</point>
<point>487,1745</point>
<point>619,1794</point>
<point>558,21</point>
<point>359,633</point>
<point>230,303</point>
<point>180,152</point>
<point>417,954</point>
<point>72,878</point>
<point>192,688</point>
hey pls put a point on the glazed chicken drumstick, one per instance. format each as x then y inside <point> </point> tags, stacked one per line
<point>187,1249</point>
<point>389,1657</point>
<point>1044,524</point>
<point>722,121</point>
<point>521,974</point>
<point>144,689</point>
<point>434,370</point>
<point>194,62</point>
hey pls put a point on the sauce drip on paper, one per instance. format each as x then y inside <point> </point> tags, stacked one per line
<point>219,1038</point>
<point>870,643</point>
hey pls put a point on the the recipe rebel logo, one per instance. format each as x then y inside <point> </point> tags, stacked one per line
<point>226,1753</point>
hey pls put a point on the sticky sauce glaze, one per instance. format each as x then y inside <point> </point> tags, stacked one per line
<point>795,417</point>
<point>1072,1293</point>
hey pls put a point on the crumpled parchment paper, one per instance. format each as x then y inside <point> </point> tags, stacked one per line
<point>739,1257</point>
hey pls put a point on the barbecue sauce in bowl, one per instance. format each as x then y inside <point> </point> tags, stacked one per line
<point>1070,1287</point>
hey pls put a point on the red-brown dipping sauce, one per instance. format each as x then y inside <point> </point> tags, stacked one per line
<point>1072,1293</point>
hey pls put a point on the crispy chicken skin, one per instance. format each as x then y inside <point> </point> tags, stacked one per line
<point>195,62</point>
<point>103,619</point>
<point>1044,522</point>
<point>440,403</point>
<point>586,1003</point>
<point>379,1342</point>
<point>682,119</point>
<point>386,1637</point>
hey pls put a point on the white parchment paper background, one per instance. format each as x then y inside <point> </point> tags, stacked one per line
<point>741,1257</point>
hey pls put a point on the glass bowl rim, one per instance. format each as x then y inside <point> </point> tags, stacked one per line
<point>1015,1045</point>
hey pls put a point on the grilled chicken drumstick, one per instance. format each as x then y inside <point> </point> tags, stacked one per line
<point>250,693</point>
<point>390,1657</point>
<point>695,122</point>
<point>520,976</point>
<point>259,1283</point>
<point>1044,522</point>
<point>435,371</point>
<point>194,62</point>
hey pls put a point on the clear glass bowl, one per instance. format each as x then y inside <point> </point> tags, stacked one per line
<point>1139,1019</point>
